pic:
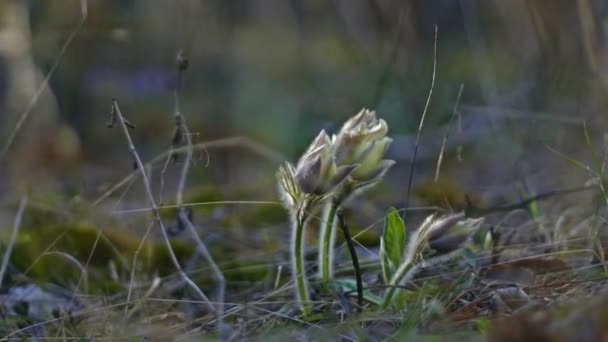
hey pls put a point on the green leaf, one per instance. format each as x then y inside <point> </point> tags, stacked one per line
<point>384,263</point>
<point>484,326</point>
<point>349,286</point>
<point>392,243</point>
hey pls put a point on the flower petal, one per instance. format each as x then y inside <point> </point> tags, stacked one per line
<point>308,175</point>
<point>341,174</point>
<point>377,173</point>
<point>443,225</point>
<point>449,243</point>
<point>321,139</point>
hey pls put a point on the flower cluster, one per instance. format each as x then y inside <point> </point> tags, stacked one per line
<point>330,171</point>
<point>317,171</point>
<point>348,161</point>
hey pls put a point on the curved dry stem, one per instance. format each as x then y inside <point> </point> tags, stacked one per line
<point>200,245</point>
<point>155,211</point>
<point>73,261</point>
<point>13,239</point>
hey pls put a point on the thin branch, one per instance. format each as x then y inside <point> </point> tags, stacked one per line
<point>426,107</point>
<point>178,135</point>
<point>182,128</point>
<point>13,239</point>
<point>217,272</point>
<point>183,217</point>
<point>181,185</point>
<point>162,178</point>
<point>155,210</point>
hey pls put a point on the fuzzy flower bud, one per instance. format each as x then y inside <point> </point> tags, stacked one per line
<point>437,240</point>
<point>450,233</point>
<point>316,172</point>
<point>362,140</point>
<point>314,178</point>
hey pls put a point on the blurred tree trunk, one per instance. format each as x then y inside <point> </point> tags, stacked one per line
<point>43,144</point>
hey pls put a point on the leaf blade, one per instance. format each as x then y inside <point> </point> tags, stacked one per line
<point>392,243</point>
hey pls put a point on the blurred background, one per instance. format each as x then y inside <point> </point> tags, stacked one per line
<point>278,71</point>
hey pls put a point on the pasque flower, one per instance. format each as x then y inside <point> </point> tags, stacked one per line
<point>313,180</point>
<point>317,172</point>
<point>331,170</point>
<point>361,141</point>
<point>451,233</point>
<point>438,239</point>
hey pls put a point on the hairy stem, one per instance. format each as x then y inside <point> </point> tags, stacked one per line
<point>297,259</point>
<point>406,270</point>
<point>327,242</point>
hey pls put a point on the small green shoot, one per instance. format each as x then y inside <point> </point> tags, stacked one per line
<point>392,244</point>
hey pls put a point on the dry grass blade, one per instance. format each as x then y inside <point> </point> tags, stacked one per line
<point>196,204</point>
<point>72,260</point>
<point>243,142</point>
<point>134,264</point>
<point>447,133</point>
<point>200,245</point>
<point>570,159</point>
<point>11,243</point>
<point>421,125</point>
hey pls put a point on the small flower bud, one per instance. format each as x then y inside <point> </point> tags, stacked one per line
<point>362,140</point>
<point>316,171</point>
<point>450,233</point>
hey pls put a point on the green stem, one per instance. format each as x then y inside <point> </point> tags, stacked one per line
<point>297,260</point>
<point>406,268</point>
<point>326,243</point>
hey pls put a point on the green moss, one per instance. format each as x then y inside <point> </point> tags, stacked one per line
<point>83,242</point>
<point>264,214</point>
<point>204,194</point>
<point>246,271</point>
